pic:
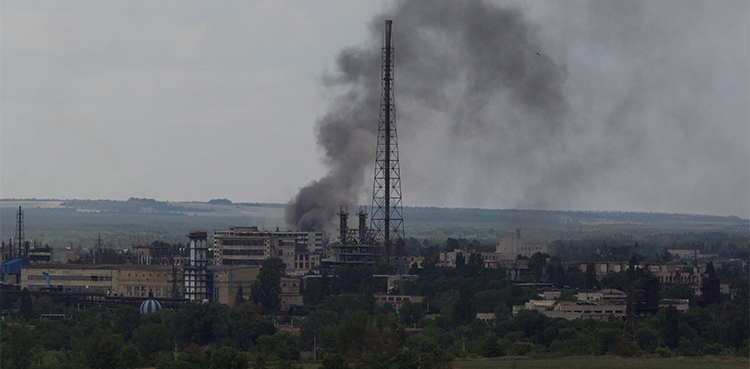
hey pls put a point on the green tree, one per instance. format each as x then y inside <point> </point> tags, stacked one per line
<point>410,313</point>
<point>460,260</point>
<point>128,358</point>
<point>463,309</point>
<point>556,272</point>
<point>150,339</point>
<point>101,349</point>
<point>452,244</point>
<point>55,334</point>
<point>228,358</point>
<point>334,361</point>
<point>710,270</point>
<point>25,306</point>
<point>487,301</point>
<point>647,338</point>
<point>490,346</point>
<point>589,278</point>
<point>125,321</point>
<point>282,345</point>
<point>239,298</point>
<point>19,345</point>
<point>266,289</point>
<point>537,262</point>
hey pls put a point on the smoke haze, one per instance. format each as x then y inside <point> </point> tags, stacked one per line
<point>587,105</point>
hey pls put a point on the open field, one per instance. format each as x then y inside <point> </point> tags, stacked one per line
<point>604,362</point>
<point>595,362</point>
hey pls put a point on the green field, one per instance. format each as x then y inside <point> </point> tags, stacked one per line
<point>594,362</point>
<point>604,362</point>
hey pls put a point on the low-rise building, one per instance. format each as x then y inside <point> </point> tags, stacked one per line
<point>226,281</point>
<point>574,310</point>
<point>71,277</point>
<point>136,280</point>
<point>290,293</point>
<point>397,300</point>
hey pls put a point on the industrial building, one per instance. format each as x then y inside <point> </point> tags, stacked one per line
<point>159,281</point>
<point>250,246</point>
<point>356,247</point>
<point>510,247</point>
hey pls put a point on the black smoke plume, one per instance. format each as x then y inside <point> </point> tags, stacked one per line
<point>456,59</point>
<point>495,111</point>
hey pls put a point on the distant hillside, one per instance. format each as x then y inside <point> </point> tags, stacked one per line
<point>138,221</point>
<point>542,217</point>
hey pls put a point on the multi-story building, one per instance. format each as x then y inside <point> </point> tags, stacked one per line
<point>40,255</point>
<point>241,246</point>
<point>510,247</point>
<point>153,254</point>
<point>249,246</point>
<point>304,262</point>
<point>148,280</point>
<point>62,255</point>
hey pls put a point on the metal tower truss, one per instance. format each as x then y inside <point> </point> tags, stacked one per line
<point>387,211</point>
<point>19,236</point>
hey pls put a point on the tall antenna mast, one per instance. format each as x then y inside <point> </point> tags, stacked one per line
<point>19,233</point>
<point>387,214</point>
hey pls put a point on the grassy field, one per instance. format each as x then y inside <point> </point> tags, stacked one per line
<point>604,363</point>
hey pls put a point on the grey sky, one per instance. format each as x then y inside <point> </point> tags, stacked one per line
<point>190,101</point>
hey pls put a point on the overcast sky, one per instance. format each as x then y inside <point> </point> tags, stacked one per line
<point>191,101</point>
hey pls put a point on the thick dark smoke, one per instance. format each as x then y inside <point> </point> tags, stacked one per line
<point>456,59</point>
<point>493,112</point>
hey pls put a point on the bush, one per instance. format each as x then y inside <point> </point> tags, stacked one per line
<point>714,349</point>
<point>490,347</point>
<point>664,352</point>
<point>437,359</point>
<point>334,361</point>
<point>521,348</point>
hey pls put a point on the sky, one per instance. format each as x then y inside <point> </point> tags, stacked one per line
<point>558,105</point>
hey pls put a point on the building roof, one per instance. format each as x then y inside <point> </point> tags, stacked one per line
<point>13,266</point>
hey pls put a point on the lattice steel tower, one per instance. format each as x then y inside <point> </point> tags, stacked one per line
<point>19,237</point>
<point>387,213</point>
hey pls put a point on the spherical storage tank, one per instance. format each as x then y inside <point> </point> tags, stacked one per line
<point>150,306</point>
